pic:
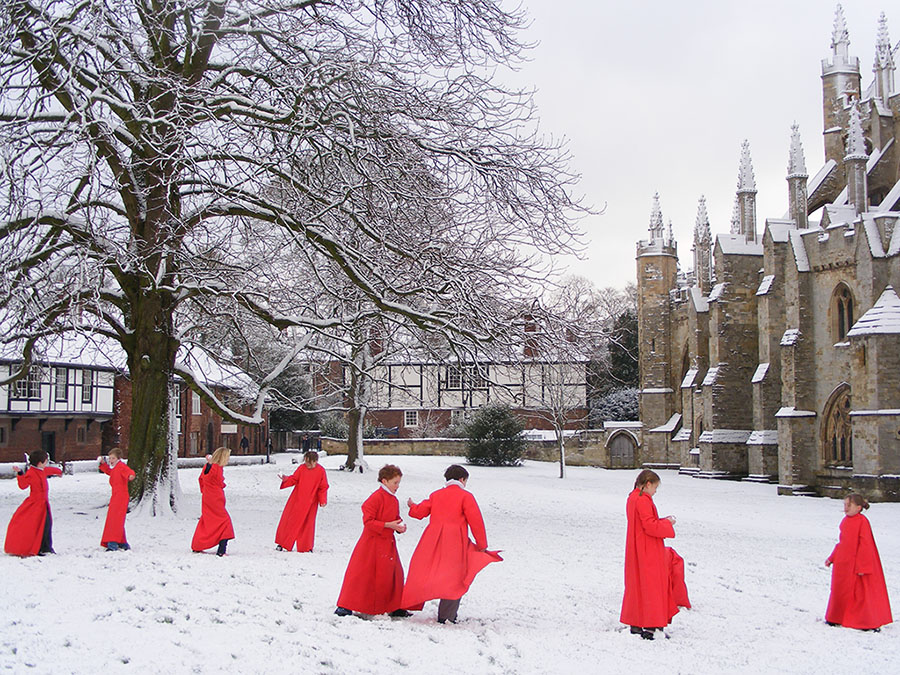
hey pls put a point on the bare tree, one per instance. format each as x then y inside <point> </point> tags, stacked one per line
<point>165,164</point>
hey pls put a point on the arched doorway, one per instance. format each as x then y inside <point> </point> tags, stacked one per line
<point>837,437</point>
<point>621,450</point>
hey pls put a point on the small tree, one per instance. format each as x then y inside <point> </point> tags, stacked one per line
<point>495,437</point>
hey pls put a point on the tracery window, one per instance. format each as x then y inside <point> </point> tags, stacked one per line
<point>842,310</point>
<point>838,438</point>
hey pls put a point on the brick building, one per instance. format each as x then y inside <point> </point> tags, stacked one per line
<point>75,403</point>
<point>777,358</point>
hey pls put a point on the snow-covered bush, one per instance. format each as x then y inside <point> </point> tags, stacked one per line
<point>620,405</point>
<point>495,437</point>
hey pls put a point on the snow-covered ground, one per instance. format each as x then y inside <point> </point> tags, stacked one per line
<point>754,572</point>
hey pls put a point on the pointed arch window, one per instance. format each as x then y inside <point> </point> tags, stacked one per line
<point>838,438</point>
<point>842,312</point>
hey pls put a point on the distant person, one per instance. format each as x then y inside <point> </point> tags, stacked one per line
<point>654,574</point>
<point>245,445</point>
<point>120,474</point>
<point>304,444</point>
<point>30,530</point>
<point>373,582</point>
<point>859,597</point>
<point>298,521</point>
<point>214,528</point>
<point>446,561</point>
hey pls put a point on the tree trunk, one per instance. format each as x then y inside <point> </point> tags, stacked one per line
<point>561,440</point>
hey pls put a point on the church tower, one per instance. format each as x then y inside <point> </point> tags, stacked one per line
<point>746,195</point>
<point>796,178</point>
<point>657,269</point>
<point>702,249</point>
<point>840,85</point>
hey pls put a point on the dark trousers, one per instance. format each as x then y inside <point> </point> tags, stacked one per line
<point>447,609</point>
<point>47,539</point>
<point>222,546</point>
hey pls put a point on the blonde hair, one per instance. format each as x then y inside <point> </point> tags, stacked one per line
<point>221,456</point>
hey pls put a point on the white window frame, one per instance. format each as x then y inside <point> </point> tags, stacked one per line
<point>28,388</point>
<point>87,386</point>
<point>195,403</point>
<point>61,393</point>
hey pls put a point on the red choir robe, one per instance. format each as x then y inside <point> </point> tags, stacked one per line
<point>215,523</point>
<point>26,527</point>
<point>298,521</point>
<point>373,582</point>
<point>649,601</point>
<point>446,561</point>
<point>114,529</point>
<point>859,597</point>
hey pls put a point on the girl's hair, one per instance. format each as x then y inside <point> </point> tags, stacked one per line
<point>37,457</point>
<point>389,471</point>
<point>456,472</point>
<point>858,499</point>
<point>644,477</point>
<point>221,456</point>
<point>311,458</point>
<point>115,452</point>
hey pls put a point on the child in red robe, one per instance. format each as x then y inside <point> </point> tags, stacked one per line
<point>654,575</point>
<point>298,521</point>
<point>859,597</point>
<point>373,582</point>
<point>446,561</point>
<point>30,528</point>
<point>113,537</point>
<point>215,526</point>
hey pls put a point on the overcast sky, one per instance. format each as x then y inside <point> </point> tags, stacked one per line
<point>658,95</point>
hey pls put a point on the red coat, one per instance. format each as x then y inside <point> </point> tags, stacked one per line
<point>215,523</point>
<point>446,561</point>
<point>859,597</point>
<point>119,475</point>
<point>26,527</point>
<point>298,521</point>
<point>373,582</point>
<point>648,600</point>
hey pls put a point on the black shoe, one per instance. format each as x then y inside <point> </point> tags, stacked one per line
<point>647,634</point>
<point>400,614</point>
<point>446,620</point>
<point>343,611</point>
<point>279,548</point>
<point>636,630</point>
<point>832,623</point>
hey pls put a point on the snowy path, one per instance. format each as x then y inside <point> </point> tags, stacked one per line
<point>755,575</point>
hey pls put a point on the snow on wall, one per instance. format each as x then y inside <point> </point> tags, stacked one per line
<point>760,373</point>
<point>763,437</point>
<point>765,285</point>
<point>725,436</point>
<point>790,337</point>
<point>882,318</point>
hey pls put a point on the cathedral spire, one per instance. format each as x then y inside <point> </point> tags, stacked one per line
<point>736,217</point>
<point>701,228</point>
<point>840,37</point>
<point>702,249</point>
<point>796,159</point>
<point>746,180</point>
<point>855,163</point>
<point>656,219</point>
<point>884,62</point>
<point>670,233</point>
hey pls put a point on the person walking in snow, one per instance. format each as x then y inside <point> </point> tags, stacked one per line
<point>373,582</point>
<point>298,521</point>
<point>859,597</point>
<point>446,561</point>
<point>215,526</point>
<point>30,530</point>
<point>120,474</point>
<point>654,574</point>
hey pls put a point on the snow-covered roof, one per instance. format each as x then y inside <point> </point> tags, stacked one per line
<point>684,434</point>
<point>669,426</point>
<point>882,318</point>
<point>613,424</point>
<point>82,349</point>
<point>657,390</point>
<point>890,199</point>
<point>799,249</point>
<point>763,437</point>
<point>760,374</point>
<point>212,371</point>
<point>779,228</point>
<point>737,244</point>
<point>711,376</point>
<point>725,436</point>
<point>790,337</point>
<point>791,411</point>
<point>701,304</point>
<point>765,285</point>
<point>840,214</point>
<point>689,377</point>
<point>716,292</point>
<point>873,236</point>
